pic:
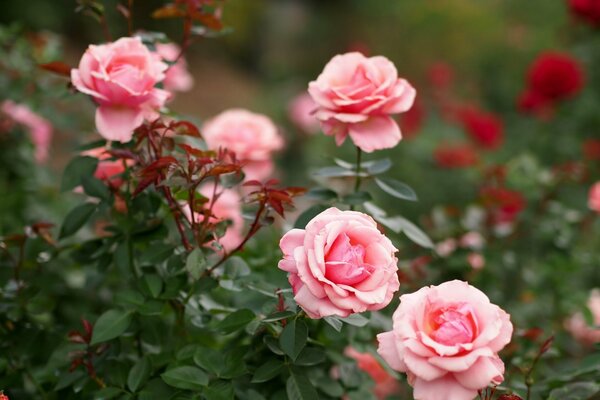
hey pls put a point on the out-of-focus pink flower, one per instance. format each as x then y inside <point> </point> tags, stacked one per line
<point>252,137</point>
<point>476,260</point>
<point>446,247</point>
<point>40,129</point>
<point>579,328</point>
<point>355,97</point>
<point>594,197</point>
<point>455,156</point>
<point>485,128</point>
<point>121,77</point>
<point>441,75</point>
<point>472,240</point>
<point>340,264</point>
<point>586,10</point>
<point>107,170</point>
<point>301,112</point>
<point>177,77</point>
<point>447,338</point>
<point>385,384</point>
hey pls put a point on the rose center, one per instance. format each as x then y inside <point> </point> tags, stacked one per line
<point>344,263</point>
<point>453,324</point>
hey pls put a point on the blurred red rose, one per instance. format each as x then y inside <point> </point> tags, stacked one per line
<point>441,75</point>
<point>535,103</point>
<point>586,10</point>
<point>504,204</point>
<point>412,120</point>
<point>455,156</point>
<point>591,149</point>
<point>485,128</point>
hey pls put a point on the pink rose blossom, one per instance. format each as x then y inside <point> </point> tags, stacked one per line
<point>121,78</point>
<point>177,77</point>
<point>594,197</point>
<point>476,260</point>
<point>472,240</point>
<point>340,264</point>
<point>385,384</point>
<point>301,112</point>
<point>107,170</point>
<point>579,327</point>
<point>447,338</point>
<point>356,95</point>
<point>39,128</point>
<point>252,137</point>
<point>446,247</point>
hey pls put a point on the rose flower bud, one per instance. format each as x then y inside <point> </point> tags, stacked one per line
<point>355,96</point>
<point>447,338</point>
<point>340,264</point>
<point>121,77</point>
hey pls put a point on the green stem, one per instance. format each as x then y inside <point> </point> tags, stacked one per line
<point>357,181</point>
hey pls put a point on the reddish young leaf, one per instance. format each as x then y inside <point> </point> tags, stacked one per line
<point>168,11</point>
<point>144,183</point>
<point>185,128</point>
<point>57,67</point>
<point>546,345</point>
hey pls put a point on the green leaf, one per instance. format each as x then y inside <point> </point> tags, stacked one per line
<point>95,188</point>
<point>575,391</point>
<point>236,320</point>
<point>334,322</point>
<point>273,345</point>
<point>415,233</point>
<point>267,371</point>
<point>377,166</point>
<point>396,188</point>
<point>196,263</point>
<point>107,393</point>
<point>219,390</point>
<point>139,374</point>
<point>186,377</point>
<point>156,389</point>
<point>330,387</point>
<point>209,359</point>
<point>78,168</point>
<point>76,218</point>
<point>334,172</point>
<point>356,320</point>
<point>310,356</point>
<point>278,316</point>
<point>309,214</point>
<point>357,198</point>
<point>293,338</point>
<point>236,267</point>
<point>110,325</point>
<point>321,194</point>
<point>298,387</point>
<point>153,284</point>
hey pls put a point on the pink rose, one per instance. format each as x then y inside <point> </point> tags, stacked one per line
<point>594,197</point>
<point>177,77</point>
<point>476,260</point>
<point>579,327</point>
<point>385,384</point>
<point>39,128</point>
<point>340,264</point>
<point>472,240</point>
<point>252,137</point>
<point>107,170</point>
<point>446,247</point>
<point>301,112</point>
<point>446,338</point>
<point>121,78</point>
<point>355,96</point>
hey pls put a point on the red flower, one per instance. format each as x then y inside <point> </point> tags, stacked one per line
<point>591,149</point>
<point>455,156</point>
<point>555,76</point>
<point>3,397</point>
<point>441,75</point>
<point>533,102</point>
<point>486,129</point>
<point>504,204</point>
<point>411,121</point>
<point>586,10</point>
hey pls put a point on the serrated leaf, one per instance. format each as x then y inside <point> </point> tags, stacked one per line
<point>396,188</point>
<point>110,325</point>
<point>298,387</point>
<point>186,377</point>
<point>139,374</point>
<point>267,371</point>
<point>293,338</point>
<point>76,218</point>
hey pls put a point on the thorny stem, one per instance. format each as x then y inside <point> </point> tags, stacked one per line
<point>357,182</point>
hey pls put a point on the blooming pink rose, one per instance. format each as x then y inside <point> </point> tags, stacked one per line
<point>301,112</point>
<point>385,384</point>
<point>39,128</point>
<point>340,264</point>
<point>121,78</point>
<point>446,338</point>
<point>579,327</point>
<point>252,137</point>
<point>355,95</point>
<point>177,77</point>
<point>594,197</point>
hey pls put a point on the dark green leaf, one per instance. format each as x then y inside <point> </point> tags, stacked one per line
<point>278,316</point>
<point>76,218</point>
<point>321,194</point>
<point>78,168</point>
<point>293,338</point>
<point>235,321</point>
<point>219,390</point>
<point>107,393</point>
<point>334,322</point>
<point>377,166</point>
<point>396,188</point>
<point>298,387</point>
<point>95,188</point>
<point>267,371</point>
<point>190,378</point>
<point>110,325</point>
<point>152,284</point>
<point>356,320</point>
<point>210,360</point>
<point>310,356</point>
<point>196,263</point>
<point>357,198</point>
<point>309,214</point>
<point>333,172</point>
<point>139,374</point>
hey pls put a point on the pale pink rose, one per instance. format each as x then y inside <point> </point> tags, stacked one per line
<point>476,260</point>
<point>446,247</point>
<point>447,338</point>
<point>579,327</point>
<point>228,206</point>
<point>472,240</point>
<point>385,384</point>
<point>594,197</point>
<point>177,77</point>
<point>121,78</point>
<point>252,137</point>
<point>340,264</point>
<point>301,111</point>
<point>356,95</point>
<point>39,128</point>
<point>107,170</point>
